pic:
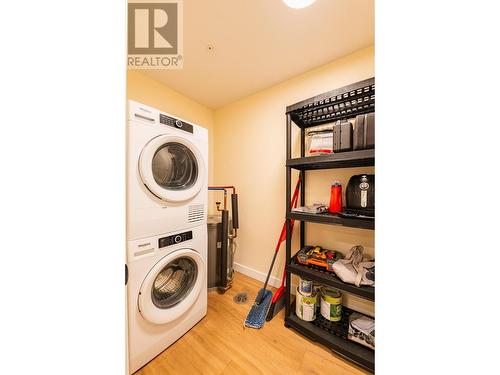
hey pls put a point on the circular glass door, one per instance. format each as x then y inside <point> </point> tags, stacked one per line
<point>172,286</point>
<point>174,282</point>
<point>172,168</point>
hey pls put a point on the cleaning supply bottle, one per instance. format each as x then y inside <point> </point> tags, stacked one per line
<point>335,198</point>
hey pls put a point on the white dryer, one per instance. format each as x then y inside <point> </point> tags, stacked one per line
<point>167,177</point>
<point>167,290</point>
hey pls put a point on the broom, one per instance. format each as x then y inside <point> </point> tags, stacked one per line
<point>278,300</point>
<point>259,310</point>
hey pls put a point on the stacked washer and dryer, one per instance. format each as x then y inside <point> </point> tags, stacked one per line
<point>167,198</point>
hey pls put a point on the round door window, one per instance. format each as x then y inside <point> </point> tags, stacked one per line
<point>174,166</point>
<point>174,282</point>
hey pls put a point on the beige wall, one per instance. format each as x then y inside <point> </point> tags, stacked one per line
<point>150,92</point>
<point>250,153</point>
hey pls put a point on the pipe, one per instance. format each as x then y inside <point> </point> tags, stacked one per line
<point>223,260</point>
<point>225,278</point>
<point>234,206</point>
<point>236,222</point>
<point>225,196</point>
<point>223,187</point>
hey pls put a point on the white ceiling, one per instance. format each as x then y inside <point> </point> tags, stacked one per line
<point>259,43</point>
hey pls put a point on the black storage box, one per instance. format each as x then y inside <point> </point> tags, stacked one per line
<point>364,132</point>
<point>342,136</point>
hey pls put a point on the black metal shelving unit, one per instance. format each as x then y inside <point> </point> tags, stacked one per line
<point>345,102</point>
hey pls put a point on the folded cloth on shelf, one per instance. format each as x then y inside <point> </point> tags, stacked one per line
<point>355,269</point>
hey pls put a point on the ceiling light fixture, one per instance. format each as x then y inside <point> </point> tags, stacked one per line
<point>298,4</point>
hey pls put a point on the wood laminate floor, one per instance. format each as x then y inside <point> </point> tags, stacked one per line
<point>220,345</point>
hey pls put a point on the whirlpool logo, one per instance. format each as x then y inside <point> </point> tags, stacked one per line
<point>155,34</point>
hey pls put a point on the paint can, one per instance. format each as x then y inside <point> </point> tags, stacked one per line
<point>305,306</point>
<point>306,287</point>
<point>331,304</point>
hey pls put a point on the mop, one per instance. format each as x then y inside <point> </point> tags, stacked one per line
<point>257,314</point>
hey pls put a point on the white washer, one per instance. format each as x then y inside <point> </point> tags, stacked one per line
<point>167,197</point>
<point>167,177</point>
<point>166,290</point>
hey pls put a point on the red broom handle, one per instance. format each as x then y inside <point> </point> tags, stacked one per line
<point>293,204</point>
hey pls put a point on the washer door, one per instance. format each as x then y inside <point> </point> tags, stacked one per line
<point>172,286</point>
<point>172,168</point>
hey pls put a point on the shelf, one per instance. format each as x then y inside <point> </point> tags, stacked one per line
<point>352,351</point>
<point>330,96</point>
<point>345,102</point>
<point>328,279</point>
<point>347,159</point>
<point>326,218</point>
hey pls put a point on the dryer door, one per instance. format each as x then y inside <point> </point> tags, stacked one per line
<point>172,168</point>
<point>172,286</point>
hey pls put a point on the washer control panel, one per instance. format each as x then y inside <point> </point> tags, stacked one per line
<point>176,123</point>
<point>175,239</point>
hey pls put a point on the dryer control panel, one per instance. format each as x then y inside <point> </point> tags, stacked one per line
<point>175,239</point>
<point>175,123</point>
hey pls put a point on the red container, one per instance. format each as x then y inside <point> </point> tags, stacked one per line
<point>335,198</point>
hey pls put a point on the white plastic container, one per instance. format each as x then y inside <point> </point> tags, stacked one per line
<point>319,140</point>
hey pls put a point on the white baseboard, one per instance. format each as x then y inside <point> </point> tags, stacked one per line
<point>257,275</point>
